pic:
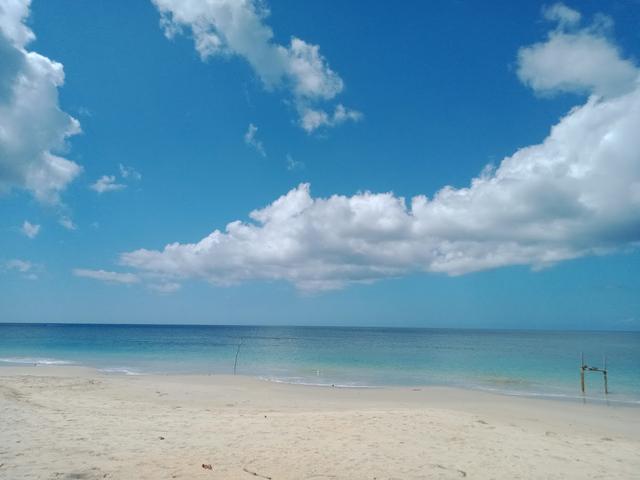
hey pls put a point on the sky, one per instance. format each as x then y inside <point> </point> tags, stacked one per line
<point>426,164</point>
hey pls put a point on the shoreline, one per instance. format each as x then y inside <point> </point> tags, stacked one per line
<point>73,422</point>
<point>66,367</point>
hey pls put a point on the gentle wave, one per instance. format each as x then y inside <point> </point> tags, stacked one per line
<point>35,361</point>
<point>499,391</point>
<point>291,381</point>
<point>557,396</point>
<point>119,371</point>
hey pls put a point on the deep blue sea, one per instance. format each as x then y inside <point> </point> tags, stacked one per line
<point>542,363</point>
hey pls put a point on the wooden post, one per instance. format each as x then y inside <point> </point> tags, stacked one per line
<point>582,372</point>
<point>586,368</point>
<point>604,372</point>
<point>235,363</point>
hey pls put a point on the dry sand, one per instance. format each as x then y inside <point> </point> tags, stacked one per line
<point>76,423</point>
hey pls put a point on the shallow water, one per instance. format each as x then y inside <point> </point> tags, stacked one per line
<point>514,362</point>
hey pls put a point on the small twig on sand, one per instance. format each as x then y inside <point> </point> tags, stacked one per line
<point>255,474</point>
<point>461,472</point>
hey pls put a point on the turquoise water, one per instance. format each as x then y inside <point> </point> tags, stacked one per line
<point>513,362</point>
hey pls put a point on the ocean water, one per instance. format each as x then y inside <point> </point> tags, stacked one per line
<point>536,363</point>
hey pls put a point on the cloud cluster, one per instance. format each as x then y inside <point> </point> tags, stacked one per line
<point>25,268</point>
<point>577,193</point>
<point>237,27</point>
<point>33,128</point>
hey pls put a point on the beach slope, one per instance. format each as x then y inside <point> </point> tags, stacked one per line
<point>77,423</point>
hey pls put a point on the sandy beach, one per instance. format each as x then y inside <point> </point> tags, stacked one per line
<point>77,423</point>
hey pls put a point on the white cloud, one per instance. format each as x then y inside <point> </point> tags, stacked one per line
<point>293,164</point>
<point>561,14</point>
<point>251,139</point>
<point>33,128</point>
<point>170,287</point>
<point>67,223</point>
<point>237,27</point>
<point>21,266</point>
<point>106,276</point>
<point>155,283</point>
<point>29,229</point>
<point>129,173</point>
<point>576,60</point>
<point>107,183</point>
<point>575,194</point>
<point>26,268</point>
<point>12,15</point>
<point>313,119</point>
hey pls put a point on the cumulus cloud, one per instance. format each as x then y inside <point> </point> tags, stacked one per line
<point>251,139</point>
<point>107,183</point>
<point>107,276</point>
<point>33,128</point>
<point>237,27</point>
<point>29,229</point>
<point>576,59</point>
<point>576,193</point>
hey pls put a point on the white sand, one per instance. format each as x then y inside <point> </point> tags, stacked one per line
<point>75,423</point>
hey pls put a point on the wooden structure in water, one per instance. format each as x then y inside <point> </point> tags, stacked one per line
<point>586,368</point>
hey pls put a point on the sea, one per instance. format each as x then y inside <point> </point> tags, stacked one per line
<point>511,362</point>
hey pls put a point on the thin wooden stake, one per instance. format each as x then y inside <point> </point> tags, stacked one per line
<point>582,372</point>
<point>586,368</point>
<point>604,372</point>
<point>235,363</point>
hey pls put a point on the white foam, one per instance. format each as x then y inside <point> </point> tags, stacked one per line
<point>119,370</point>
<point>35,361</point>
<point>291,381</point>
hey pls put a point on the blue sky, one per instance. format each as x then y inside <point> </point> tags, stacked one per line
<point>183,135</point>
